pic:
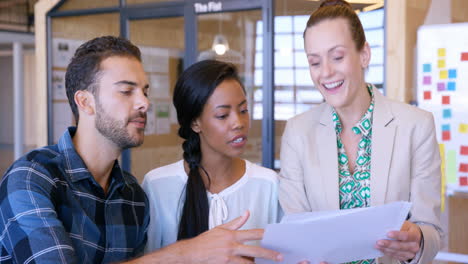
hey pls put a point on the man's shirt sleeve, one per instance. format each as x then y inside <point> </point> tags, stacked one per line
<point>30,229</point>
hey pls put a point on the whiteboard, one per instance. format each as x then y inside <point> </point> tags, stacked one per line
<point>442,85</point>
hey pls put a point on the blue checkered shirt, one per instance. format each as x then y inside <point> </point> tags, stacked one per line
<point>53,211</point>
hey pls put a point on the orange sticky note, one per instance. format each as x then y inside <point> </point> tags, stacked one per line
<point>446,99</point>
<point>443,74</point>
<point>441,52</point>
<point>427,95</point>
<point>441,63</point>
<point>463,181</point>
<point>464,150</point>
<point>463,167</point>
<point>464,56</point>
<point>446,135</point>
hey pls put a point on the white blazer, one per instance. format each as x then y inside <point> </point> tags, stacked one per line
<point>405,165</point>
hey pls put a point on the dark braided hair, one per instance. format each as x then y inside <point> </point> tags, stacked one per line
<point>193,88</point>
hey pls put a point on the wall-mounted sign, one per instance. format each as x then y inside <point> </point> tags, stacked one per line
<point>208,7</point>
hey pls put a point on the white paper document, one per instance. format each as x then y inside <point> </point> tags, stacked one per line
<point>334,236</point>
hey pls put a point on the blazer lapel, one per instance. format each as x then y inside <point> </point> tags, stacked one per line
<point>328,158</point>
<point>383,137</point>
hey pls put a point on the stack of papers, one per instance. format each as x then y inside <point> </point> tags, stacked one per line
<point>334,236</point>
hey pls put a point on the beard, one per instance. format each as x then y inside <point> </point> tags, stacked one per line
<point>116,130</point>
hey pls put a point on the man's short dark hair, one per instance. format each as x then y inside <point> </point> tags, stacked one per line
<point>83,70</point>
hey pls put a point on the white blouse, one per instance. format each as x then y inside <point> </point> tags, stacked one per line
<point>256,191</point>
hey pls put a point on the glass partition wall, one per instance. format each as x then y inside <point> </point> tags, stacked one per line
<point>234,33</point>
<point>263,38</point>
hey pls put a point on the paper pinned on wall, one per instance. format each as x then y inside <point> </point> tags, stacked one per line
<point>464,150</point>
<point>427,80</point>
<point>155,59</point>
<point>463,128</point>
<point>440,86</point>
<point>163,123</point>
<point>443,75</point>
<point>451,86</point>
<point>159,84</point>
<point>443,179</point>
<point>63,50</point>
<point>463,167</point>
<point>464,56</point>
<point>150,128</point>
<point>427,67</point>
<point>427,95</point>
<point>441,64</point>
<point>58,85</point>
<point>446,136</point>
<point>447,113</point>
<point>173,114</point>
<point>451,167</point>
<point>452,73</point>
<point>463,181</point>
<point>441,52</point>
<point>446,99</point>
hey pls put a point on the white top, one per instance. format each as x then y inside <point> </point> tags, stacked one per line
<point>256,191</point>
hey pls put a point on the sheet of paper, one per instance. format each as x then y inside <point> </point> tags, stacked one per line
<point>163,123</point>
<point>150,128</point>
<point>334,236</point>
<point>159,86</point>
<point>58,85</point>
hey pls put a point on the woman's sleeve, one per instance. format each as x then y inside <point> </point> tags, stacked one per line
<point>425,187</point>
<point>292,194</point>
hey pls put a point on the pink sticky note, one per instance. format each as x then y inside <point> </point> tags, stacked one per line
<point>441,86</point>
<point>427,80</point>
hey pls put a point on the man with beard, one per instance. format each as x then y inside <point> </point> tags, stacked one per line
<point>72,203</point>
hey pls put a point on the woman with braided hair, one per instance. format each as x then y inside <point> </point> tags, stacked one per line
<point>212,184</point>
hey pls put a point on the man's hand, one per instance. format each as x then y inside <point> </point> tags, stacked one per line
<point>224,244</point>
<point>405,244</point>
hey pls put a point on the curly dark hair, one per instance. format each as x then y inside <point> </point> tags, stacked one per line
<point>83,70</point>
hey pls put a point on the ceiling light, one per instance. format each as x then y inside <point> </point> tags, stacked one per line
<point>220,44</point>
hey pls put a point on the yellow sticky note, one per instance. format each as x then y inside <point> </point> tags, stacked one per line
<point>442,155</point>
<point>442,179</point>
<point>463,128</point>
<point>443,75</point>
<point>441,63</point>
<point>441,52</point>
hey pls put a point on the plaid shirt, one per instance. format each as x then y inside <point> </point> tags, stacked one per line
<point>53,211</point>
